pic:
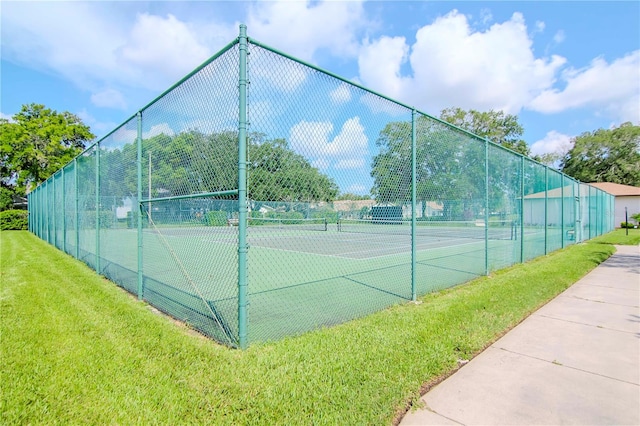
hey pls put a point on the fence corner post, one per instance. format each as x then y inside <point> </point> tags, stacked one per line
<point>98,208</point>
<point>138,211</point>
<point>486,206</point>
<point>242,191</point>
<point>413,205</point>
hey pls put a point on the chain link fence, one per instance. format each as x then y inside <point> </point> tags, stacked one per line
<point>262,197</point>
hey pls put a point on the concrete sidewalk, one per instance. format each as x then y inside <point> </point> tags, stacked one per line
<point>574,361</point>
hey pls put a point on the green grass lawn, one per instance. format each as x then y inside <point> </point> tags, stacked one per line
<point>75,348</point>
<point>620,236</point>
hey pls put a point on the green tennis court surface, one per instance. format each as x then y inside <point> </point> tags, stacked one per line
<point>300,277</point>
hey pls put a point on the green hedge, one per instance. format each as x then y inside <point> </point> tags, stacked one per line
<point>216,218</point>
<point>88,219</point>
<point>17,220</point>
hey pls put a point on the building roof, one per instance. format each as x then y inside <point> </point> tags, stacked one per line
<point>617,189</point>
<point>567,191</point>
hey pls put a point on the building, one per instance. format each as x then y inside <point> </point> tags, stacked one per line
<point>625,196</point>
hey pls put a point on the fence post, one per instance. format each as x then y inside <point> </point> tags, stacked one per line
<point>562,211</point>
<point>64,213</point>
<point>98,208</point>
<point>413,205</point>
<point>521,209</point>
<point>46,203</point>
<point>546,207</point>
<point>486,206</point>
<point>54,212</point>
<point>242,191</point>
<point>77,202</point>
<point>138,211</point>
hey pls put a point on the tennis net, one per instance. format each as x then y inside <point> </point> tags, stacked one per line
<point>313,224</point>
<point>498,230</point>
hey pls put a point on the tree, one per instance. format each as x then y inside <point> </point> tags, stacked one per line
<point>348,196</point>
<point>193,162</point>
<point>37,142</point>
<point>611,155</point>
<point>276,173</point>
<point>449,167</point>
<point>496,126</point>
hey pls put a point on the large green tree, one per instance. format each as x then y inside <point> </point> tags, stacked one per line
<point>193,162</point>
<point>606,155</point>
<point>35,143</point>
<point>503,129</point>
<point>449,167</point>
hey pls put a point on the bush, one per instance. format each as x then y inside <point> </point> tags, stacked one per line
<point>216,218</point>
<point>17,220</point>
<point>88,219</point>
<point>627,225</point>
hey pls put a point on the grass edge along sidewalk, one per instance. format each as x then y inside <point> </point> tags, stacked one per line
<point>77,349</point>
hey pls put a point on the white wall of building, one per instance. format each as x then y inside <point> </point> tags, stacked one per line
<point>632,203</point>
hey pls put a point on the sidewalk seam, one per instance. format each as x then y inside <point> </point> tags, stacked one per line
<point>589,325</point>
<point>568,366</point>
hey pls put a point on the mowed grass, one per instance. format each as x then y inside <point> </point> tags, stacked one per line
<point>620,237</point>
<point>77,349</point>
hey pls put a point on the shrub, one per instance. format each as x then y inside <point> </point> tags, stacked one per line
<point>216,218</point>
<point>626,225</point>
<point>14,220</point>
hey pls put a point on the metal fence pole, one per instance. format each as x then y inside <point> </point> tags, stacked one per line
<point>413,205</point>
<point>546,208</point>
<point>486,206</point>
<point>46,203</point>
<point>97,208</point>
<point>562,211</point>
<point>77,207</point>
<point>242,191</point>
<point>138,212</point>
<point>54,212</point>
<point>521,209</point>
<point>64,214</point>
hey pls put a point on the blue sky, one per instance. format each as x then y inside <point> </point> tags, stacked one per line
<point>562,67</point>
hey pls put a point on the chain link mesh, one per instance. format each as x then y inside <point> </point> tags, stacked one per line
<point>341,220</point>
<point>190,147</point>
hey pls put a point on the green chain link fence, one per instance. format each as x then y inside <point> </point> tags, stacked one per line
<point>262,197</point>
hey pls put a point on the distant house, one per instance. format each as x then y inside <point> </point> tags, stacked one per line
<point>536,214</point>
<point>19,203</point>
<point>625,196</point>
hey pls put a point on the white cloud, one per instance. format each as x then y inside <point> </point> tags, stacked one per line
<point>164,44</point>
<point>540,26</point>
<point>553,143</point>
<point>158,129</point>
<point>302,28</point>
<point>341,94</point>
<point>346,150</point>
<point>351,140</point>
<point>452,64</point>
<point>112,47</point>
<point>310,138</point>
<point>486,16</point>
<point>379,63</point>
<point>611,88</point>
<point>109,98</point>
<point>559,37</point>
<point>6,117</point>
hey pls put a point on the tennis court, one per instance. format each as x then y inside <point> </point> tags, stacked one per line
<point>301,275</point>
<point>301,200</point>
